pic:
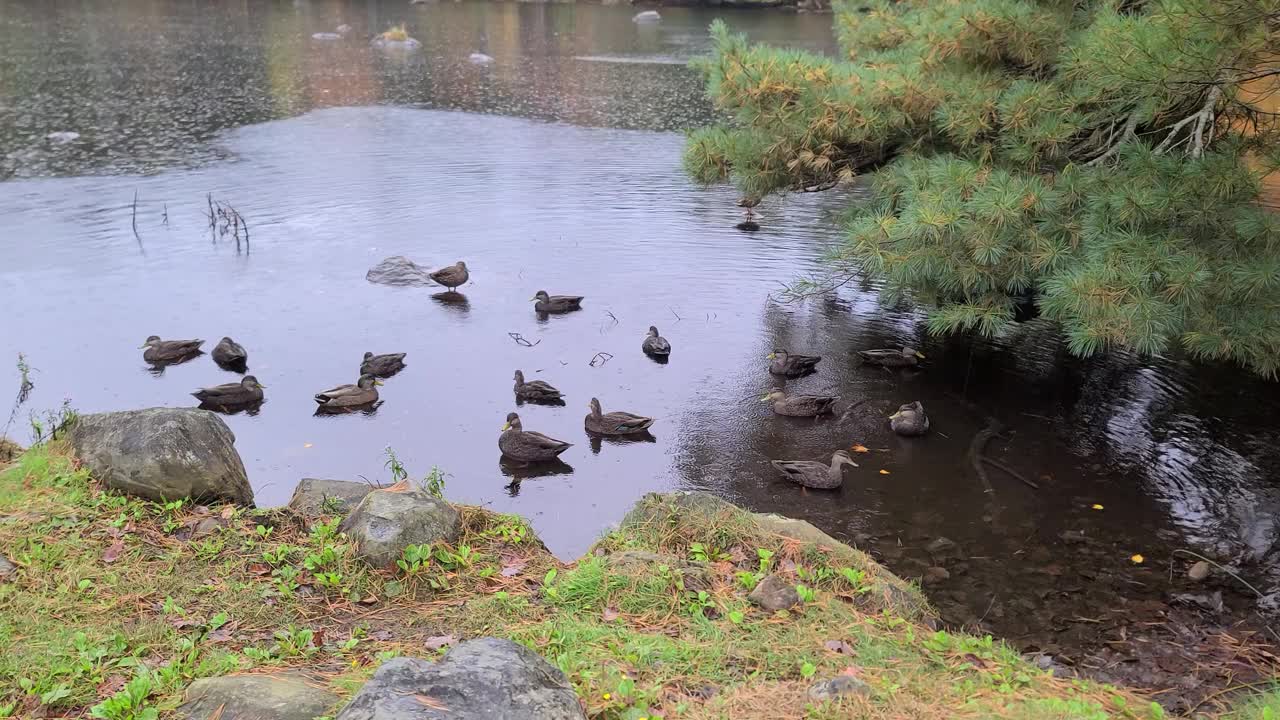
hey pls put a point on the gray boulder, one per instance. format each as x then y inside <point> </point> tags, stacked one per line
<point>255,697</point>
<point>314,497</point>
<point>484,679</point>
<point>163,454</point>
<point>773,593</point>
<point>386,521</point>
<point>399,270</point>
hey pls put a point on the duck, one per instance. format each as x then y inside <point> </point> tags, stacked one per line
<point>748,204</point>
<point>816,475</point>
<point>517,443</point>
<point>157,350</point>
<point>452,276</point>
<point>245,392</point>
<point>910,420</point>
<point>536,391</point>
<point>906,357</point>
<point>786,364</point>
<point>364,392</point>
<point>545,303</point>
<point>228,352</point>
<point>616,422</point>
<point>654,344</point>
<point>382,366</point>
<point>800,405</point>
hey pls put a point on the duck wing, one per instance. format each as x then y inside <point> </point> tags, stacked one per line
<point>624,422</point>
<point>657,346</point>
<point>798,470</point>
<point>337,393</point>
<point>538,388</point>
<point>220,392</point>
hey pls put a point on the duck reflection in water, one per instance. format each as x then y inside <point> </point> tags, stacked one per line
<point>520,471</point>
<point>368,409</point>
<point>599,441</point>
<point>453,300</point>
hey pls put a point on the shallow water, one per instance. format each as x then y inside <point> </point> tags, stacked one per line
<point>555,167</point>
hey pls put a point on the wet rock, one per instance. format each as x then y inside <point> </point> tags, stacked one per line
<point>1268,604</point>
<point>837,687</point>
<point>163,454</point>
<point>935,575</point>
<point>647,17</point>
<point>255,697</point>
<point>476,680</point>
<point>479,59</point>
<point>62,137</point>
<point>942,547</point>
<point>207,526</point>
<point>386,521</point>
<point>7,569</point>
<point>1199,571</point>
<point>773,593</point>
<point>342,29</point>
<point>399,271</point>
<point>1211,602</point>
<point>313,496</point>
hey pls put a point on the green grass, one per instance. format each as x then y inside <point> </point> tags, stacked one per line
<point>113,612</point>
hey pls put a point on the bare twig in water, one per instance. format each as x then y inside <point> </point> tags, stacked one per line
<point>24,391</point>
<point>673,312</point>
<point>1220,567</point>
<point>232,221</point>
<point>164,219</point>
<point>600,359</point>
<point>1014,473</point>
<point>980,441</point>
<point>520,339</point>
<point>134,219</point>
<point>611,315</point>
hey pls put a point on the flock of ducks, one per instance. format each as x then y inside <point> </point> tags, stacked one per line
<point>527,446</point>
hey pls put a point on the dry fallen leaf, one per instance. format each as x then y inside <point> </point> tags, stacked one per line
<point>222,634</point>
<point>840,647</point>
<point>609,614</point>
<point>428,701</point>
<point>112,685</point>
<point>440,641</point>
<point>369,600</point>
<point>852,671</point>
<point>380,635</point>
<point>975,661</point>
<point>228,512</point>
<point>859,448</point>
<point>113,552</point>
<point>260,568</point>
<point>1137,559</point>
<point>515,567</point>
<point>884,472</point>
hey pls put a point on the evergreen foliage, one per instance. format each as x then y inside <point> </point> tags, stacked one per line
<point>1100,158</point>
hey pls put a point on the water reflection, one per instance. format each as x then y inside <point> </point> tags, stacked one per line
<point>597,442</point>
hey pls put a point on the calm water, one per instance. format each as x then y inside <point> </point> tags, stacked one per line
<point>556,167</point>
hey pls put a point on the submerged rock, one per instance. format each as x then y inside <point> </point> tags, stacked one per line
<point>163,454</point>
<point>837,687</point>
<point>647,17</point>
<point>388,44</point>
<point>62,137</point>
<point>482,679</point>
<point>387,521</point>
<point>399,270</point>
<point>255,697</point>
<point>479,59</point>
<point>1199,571</point>
<point>774,593</point>
<point>314,496</point>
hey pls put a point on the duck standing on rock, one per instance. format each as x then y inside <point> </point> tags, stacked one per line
<point>783,363</point>
<point>910,420</point>
<point>382,366</point>
<point>800,405</point>
<point>528,446</point>
<point>816,475</point>
<point>231,395</point>
<point>545,303</point>
<point>230,354</point>
<point>535,391</point>
<point>364,392</point>
<point>615,423</point>
<point>655,345</point>
<point>156,350</point>
<point>452,276</point>
<point>906,357</point>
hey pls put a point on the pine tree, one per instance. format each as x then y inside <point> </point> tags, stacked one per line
<point>1101,159</point>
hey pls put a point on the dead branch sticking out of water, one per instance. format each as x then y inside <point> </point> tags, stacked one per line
<point>134,219</point>
<point>520,339</point>
<point>25,387</point>
<point>600,358</point>
<point>164,219</point>
<point>980,441</point>
<point>673,312</point>
<point>1010,471</point>
<point>224,219</point>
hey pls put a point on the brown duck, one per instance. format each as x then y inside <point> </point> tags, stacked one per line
<point>906,357</point>
<point>364,392</point>
<point>910,420</point>
<point>545,303</point>
<point>536,391</point>
<point>526,445</point>
<point>800,405</point>
<point>245,392</point>
<point>384,365</point>
<point>816,475</point>
<point>229,353</point>
<point>451,276</point>
<point>783,363</point>
<point>616,422</point>
<point>157,350</point>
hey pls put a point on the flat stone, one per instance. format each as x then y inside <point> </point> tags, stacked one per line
<point>484,679</point>
<point>163,454</point>
<point>774,593</point>
<point>400,271</point>
<point>255,697</point>
<point>942,546</point>
<point>314,496</point>
<point>1199,571</point>
<point>837,687</point>
<point>387,521</point>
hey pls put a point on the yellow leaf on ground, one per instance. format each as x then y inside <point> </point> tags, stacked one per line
<point>884,472</point>
<point>1096,506</point>
<point>1137,559</point>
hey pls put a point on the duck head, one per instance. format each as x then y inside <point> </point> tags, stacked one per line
<point>595,407</point>
<point>653,331</point>
<point>773,395</point>
<point>541,295</point>
<point>780,354</point>
<point>519,377</point>
<point>251,383</point>
<point>367,381</point>
<point>910,352</point>
<point>152,340</point>
<point>512,423</point>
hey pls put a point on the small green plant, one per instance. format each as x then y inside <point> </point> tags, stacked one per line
<point>296,642</point>
<point>857,579</point>
<point>130,703</point>
<point>548,586</point>
<point>510,529</point>
<point>330,505</point>
<point>807,669</point>
<point>748,580</point>
<point>278,555</point>
<point>806,593</point>
<point>435,483</point>
<point>699,602</point>
<point>737,616</point>
<point>398,472</point>
<point>766,560</point>
<point>460,558</point>
<point>414,558</point>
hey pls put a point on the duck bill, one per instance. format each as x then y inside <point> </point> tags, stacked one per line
<point>895,416</point>
<point>770,356</point>
<point>506,427</point>
<point>378,382</point>
<point>919,354</point>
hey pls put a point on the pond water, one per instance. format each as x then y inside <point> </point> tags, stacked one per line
<point>557,166</point>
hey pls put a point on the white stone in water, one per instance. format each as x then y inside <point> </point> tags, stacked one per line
<point>326,36</point>
<point>648,16</point>
<point>342,29</point>
<point>479,59</point>
<point>62,137</point>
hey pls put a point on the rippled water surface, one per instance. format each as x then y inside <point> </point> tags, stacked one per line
<point>556,167</point>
